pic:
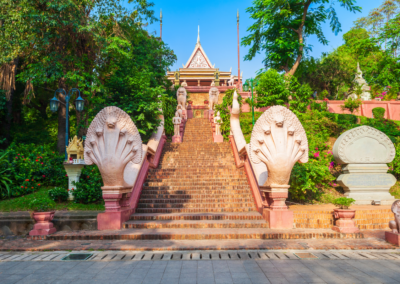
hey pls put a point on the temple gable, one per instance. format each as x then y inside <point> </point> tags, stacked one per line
<point>199,61</point>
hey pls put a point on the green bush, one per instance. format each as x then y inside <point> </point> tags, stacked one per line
<point>394,166</point>
<point>5,177</point>
<point>343,202</point>
<point>378,112</point>
<point>225,113</point>
<point>88,189</point>
<point>351,104</point>
<point>58,194</point>
<point>169,104</point>
<point>42,205</point>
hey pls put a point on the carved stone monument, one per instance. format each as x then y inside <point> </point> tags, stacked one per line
<point>366,95</point>
<point>177,123</point>
<point>218,138</point>
<point>231,81</point>
<point>365,151</point>
<point>213,95</point>
<point>113,143</point>
<point>278,140</point>
<point>181,96</point>
<point>393,237</point>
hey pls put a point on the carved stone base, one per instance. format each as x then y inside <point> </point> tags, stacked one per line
<point>43,226</point>
<point>176,139</point>
<point>392,238</point>
<point>74,173</point>
<point>277,214</point>
<point>278,219</point>
<point>113,220</point>
<point>218,138</point>
<point>345,224</point>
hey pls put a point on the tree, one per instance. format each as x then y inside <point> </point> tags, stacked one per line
<point>90,45</point>
<point>282,28</point>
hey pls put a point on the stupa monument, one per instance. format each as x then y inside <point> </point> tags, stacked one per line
<point>366,95</point>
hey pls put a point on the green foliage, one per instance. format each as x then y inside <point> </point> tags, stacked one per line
<point>394,166</point>
<point>22,203</point>
<point>58,194</point>
<point>378,112</point>
<point>169,104</point>
<point>343,202</point>
<point>88,189</point>
<point>5,177</point>
<point>281,29</point>
<point>246,123</point>
<point>351,104</point>
<point>276,89</point>
<point>42,205</point>
<point>225,112</point>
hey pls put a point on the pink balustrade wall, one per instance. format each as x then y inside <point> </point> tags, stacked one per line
<point>392,108</point>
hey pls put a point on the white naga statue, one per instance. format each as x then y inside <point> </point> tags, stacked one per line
<point>113,141</point>
<point>231,81</point>
<point>279,141</point>
<point>181,97</point>
<point>177,122</point>
<point>213,95</point>
<point>217,122</point>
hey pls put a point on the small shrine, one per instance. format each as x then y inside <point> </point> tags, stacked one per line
<point>75,149</point>
<point>366,95</point>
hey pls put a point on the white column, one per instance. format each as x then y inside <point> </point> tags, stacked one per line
<point>74,173</point>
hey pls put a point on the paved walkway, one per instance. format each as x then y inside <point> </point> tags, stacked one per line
<point>206,271</point>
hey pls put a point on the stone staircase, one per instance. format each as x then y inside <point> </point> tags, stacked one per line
<point>196,187</point>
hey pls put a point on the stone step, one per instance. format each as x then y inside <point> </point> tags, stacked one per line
<point>198,216</point>
<point>195,205</point>
<point>194,201</point>
<point>199,234</point>
<point>173,191</point>
<point>196,183</point>
<point>219,224</point>
<point>194,210</point>
<point>193,196</point>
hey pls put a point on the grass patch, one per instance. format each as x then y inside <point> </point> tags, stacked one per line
<point>22,203</point>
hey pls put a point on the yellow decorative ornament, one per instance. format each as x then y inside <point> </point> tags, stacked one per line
<point>75,148</point>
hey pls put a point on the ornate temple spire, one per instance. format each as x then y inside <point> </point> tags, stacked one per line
<point>198,34</point>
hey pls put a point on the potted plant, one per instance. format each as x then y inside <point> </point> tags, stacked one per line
<point>43,213</point>
<point>206,102</point>
<point>344,214</point>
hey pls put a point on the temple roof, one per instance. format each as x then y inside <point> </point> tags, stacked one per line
<point>199,58</point>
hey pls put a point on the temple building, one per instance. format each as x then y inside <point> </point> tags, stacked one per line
<point>199,75</point>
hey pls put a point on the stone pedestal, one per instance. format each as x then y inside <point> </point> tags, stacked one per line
<point>176,139</point>
<point>74,173</point>
<point>43,226</point>
<point>367,182</point>
<point>275,211</point>
<point>392,238</point>
<point>211,115</point>
<point>218,138</point>
<point>345,224</point>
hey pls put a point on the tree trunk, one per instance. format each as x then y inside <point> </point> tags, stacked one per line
<point>61,119</point>
<point>9,102</point>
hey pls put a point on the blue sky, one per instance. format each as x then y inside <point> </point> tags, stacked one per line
<point>218,34</point>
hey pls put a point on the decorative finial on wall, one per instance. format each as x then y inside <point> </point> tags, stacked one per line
<point>198,34</point>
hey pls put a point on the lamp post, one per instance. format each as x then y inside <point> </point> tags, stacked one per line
<point>79,105</point>
<point>250,83</point>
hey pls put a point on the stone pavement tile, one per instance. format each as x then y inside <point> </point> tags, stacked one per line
<point>222,275</point>
<point>223,281</point>
<point>239,275</point>
<point>221,269</point>
<point>205,281</point>
<point>278,280</point>
<point>62,281</point>
<point>260,281</point>
<point>151,281</point>
<point>242,281</point>
<point>274,274</point>
<point>187,280</point>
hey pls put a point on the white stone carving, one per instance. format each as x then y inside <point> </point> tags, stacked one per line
<point>177,122</point>
<point>179,112</point>
<point>181,96</point>
<point>218,122</point>
<point>74,173</point>
<point>279,141</point>
<point>231,81</point>
<point>184,84</point>
<point>212,83</point>
<point>213,95</point>
<point>366,151</point>
<point>112,142</point>
<point>199,61</point>
<point>363,145</point>
<point>395,225</point>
